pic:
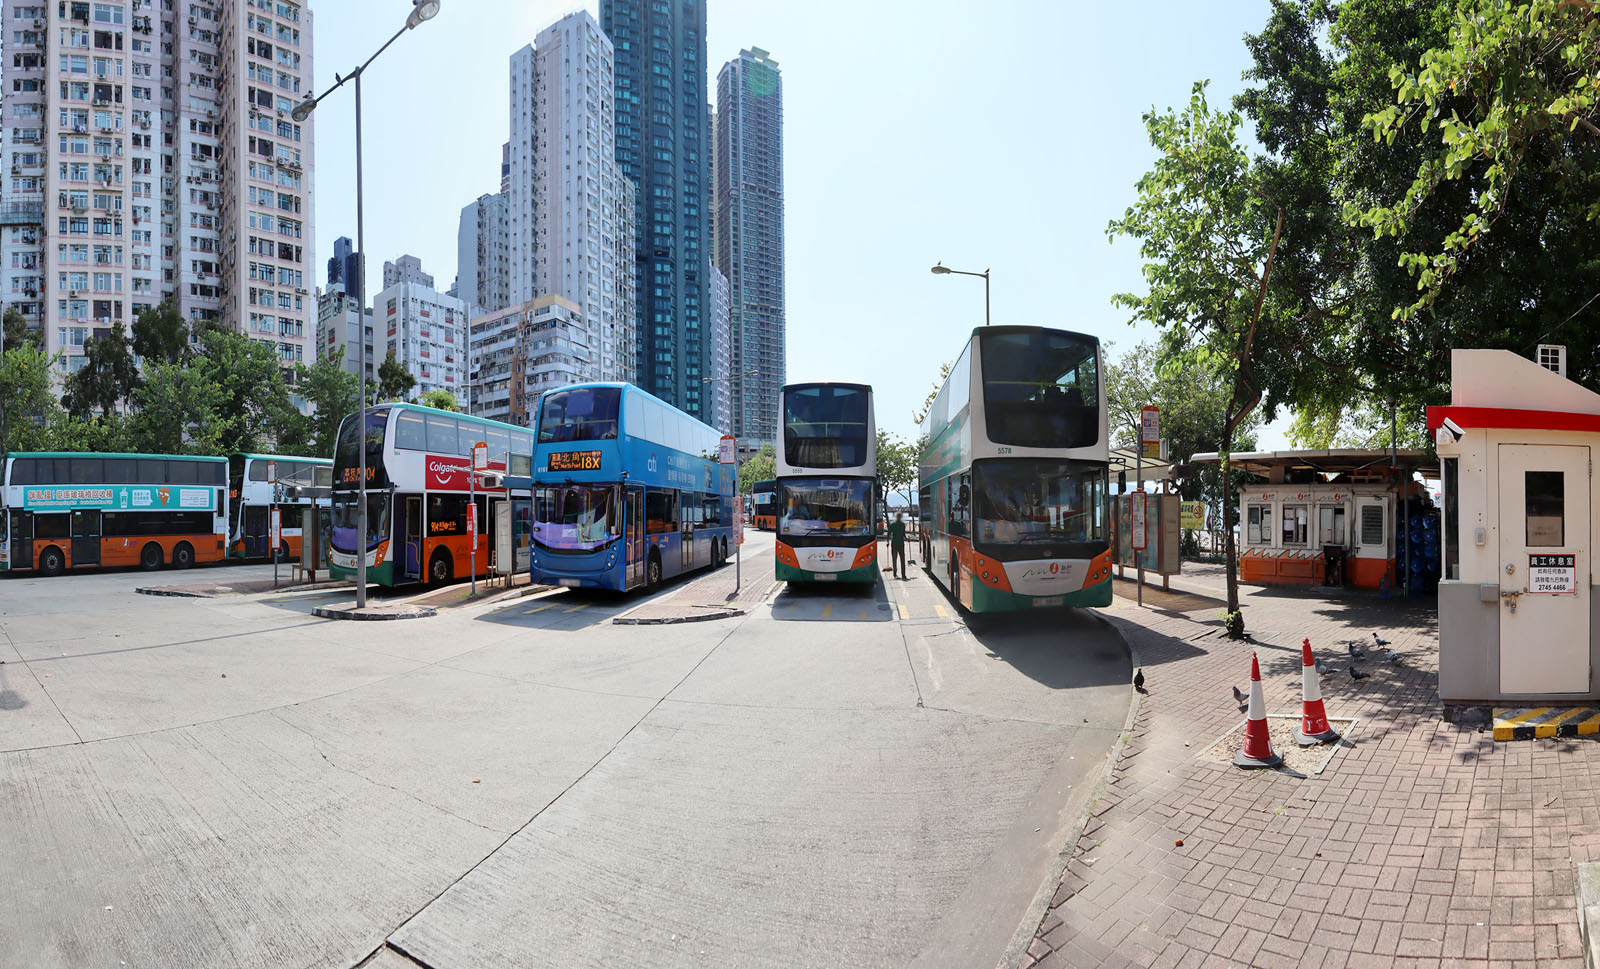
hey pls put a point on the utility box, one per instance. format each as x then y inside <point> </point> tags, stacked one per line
<point>1517,609</point>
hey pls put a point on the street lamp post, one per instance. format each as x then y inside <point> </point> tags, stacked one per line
<point>940,269</point>
<point>420,10</point>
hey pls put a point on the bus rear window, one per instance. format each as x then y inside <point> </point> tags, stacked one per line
<point>825,427</point>
<point>580,414</point>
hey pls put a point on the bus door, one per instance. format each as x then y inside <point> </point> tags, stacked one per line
<point>634,522</point>
<point>85,537</point>
<point>686,517</point>
<point>408,535</point>
<point>255,531</point>
<point>21,539</point>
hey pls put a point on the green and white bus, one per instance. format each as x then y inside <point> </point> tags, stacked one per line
<point>827,484</point>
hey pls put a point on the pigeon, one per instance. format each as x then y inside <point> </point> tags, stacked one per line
<point>1356,674</point>
<point>1379,640</point>
<point>1321,670</point>
<point>1241,698</point>
<point>1356,652</point>
<point>1138,681</point>
<point>1392,656</point>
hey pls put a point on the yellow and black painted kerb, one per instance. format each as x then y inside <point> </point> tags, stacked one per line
<point>1526,723</point>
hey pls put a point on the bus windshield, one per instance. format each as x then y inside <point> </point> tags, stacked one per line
<point>347,460</point>
<point>1034,503</point>
<point>1041,389</point>
<point>576,518</point>
<point>346,509</point>
<point>580,414</point>
<point>825,507</point>
<point>825,427</point>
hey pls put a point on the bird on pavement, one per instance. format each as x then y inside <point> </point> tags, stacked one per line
<point>1321,669</point>
<point>1356,674</point>
<point>1391,655</point>
<point>1356,652</point>
<point>1379,640</point>
<point>1241,698</point>
<point>1138,681</point>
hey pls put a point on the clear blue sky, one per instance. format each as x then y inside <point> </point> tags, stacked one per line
<point>1002,135</point>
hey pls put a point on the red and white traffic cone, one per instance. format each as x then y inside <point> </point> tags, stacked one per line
<point>1314,728</point>
<point>1257,750</point>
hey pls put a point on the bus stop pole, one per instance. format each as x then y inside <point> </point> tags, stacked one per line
<point>472,513</point>
<point>1138,553</point>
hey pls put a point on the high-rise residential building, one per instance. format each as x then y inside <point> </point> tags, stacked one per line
<point>338,325</point>
<point>153,157</point>
<point>425,329</point>
<point>570,222</point>
<point>748,236</point>
<point>483,254</point>
<point>720,361</point>
<point>406,269</point>
<point>343,266</point>
<point>663,134</point>
<point>522,351</point>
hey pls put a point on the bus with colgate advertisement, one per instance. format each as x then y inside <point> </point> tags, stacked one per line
<point>827,484</point>
<point>627,490</point>
<point>1013,477</point>
<point>419,488</point>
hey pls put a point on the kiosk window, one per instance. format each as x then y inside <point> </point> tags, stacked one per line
<point>1543,495</point>
<point>1258,525</point>
<point>1452,513</point>
<point>1371,525</point>
<point>1294,524</point>
<point>1330,525</point>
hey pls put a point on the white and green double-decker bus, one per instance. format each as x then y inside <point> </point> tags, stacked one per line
<point>1013,475</point>
<point>827,484</point>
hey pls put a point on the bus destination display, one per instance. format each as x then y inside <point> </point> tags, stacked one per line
<point>573,461</point>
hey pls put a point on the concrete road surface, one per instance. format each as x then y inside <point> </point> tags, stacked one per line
<point>836,779</point>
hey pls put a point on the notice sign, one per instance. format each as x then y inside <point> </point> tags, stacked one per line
<point>1553,574</point>
<point>725,449</point>
<point>1149,424</point>
<point>738,517</point>
<point>1136,520</point>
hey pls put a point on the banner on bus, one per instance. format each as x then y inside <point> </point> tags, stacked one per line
<point>119,497</point>
<point>450,473</point>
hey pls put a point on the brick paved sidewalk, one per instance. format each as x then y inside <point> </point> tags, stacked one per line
<point>711,595</point>
<point>1423,845</point>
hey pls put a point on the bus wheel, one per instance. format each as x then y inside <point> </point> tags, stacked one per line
<point>150,557</point>
<point>182,556</point>
<point>652,573</point>
<point>283,552</point>
<point>720,554</point>
<point>51,561</point>
<point>439,567</point>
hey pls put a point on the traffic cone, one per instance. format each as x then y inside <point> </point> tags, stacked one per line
<point>1314,727</point>
<point>1257,750</point>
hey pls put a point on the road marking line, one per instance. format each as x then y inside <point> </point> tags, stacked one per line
<point>939,608</point>
<point>904,612</point>
<point>863,613</point>
<point>538,608</point>
<point>581,605</point>
<point>827,610</point>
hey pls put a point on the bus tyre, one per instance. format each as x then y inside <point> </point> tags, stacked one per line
<point>150,557</point>
<point>652,573</point>
<point>440,568</point>
<point>283,552</point>
<point>182,556</point>
<point>51,561</point>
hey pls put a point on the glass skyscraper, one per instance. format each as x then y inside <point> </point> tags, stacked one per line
<point>748,236</point>
<point>663,145</point>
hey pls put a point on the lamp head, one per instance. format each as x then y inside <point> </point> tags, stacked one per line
<point>939,269</point>
<point>303,110</point>
<point>422,10</point>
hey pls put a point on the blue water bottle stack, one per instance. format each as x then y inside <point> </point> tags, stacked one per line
<point>1419,553</point>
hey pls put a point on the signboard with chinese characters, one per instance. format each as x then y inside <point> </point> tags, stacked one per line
<point>572,461</point>
<point>1149,425</point>
<point>1553,574</point>
<point>1136,520</point>
<point>1193,515</point>
<point>725,454</point>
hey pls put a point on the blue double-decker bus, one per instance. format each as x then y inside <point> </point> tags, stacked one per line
<point>627,490</point>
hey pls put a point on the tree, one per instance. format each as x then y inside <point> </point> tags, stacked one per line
<point>333,393</point>
<point>897,466</point>
<point>252,401</point>
<point>160,334</point>
<point>19,333</point>
<point>109,375</point>
<point>761,466</point>
<point>394,380</point>
<point>921,413</point>
<point>1514,96</point>
<point>440,398</point>
<point>1208,239</point>
<point>28,405</point>
<point>102,432</point>
<point>178,410</point>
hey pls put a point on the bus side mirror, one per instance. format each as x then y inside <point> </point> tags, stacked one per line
<point>965,495</point>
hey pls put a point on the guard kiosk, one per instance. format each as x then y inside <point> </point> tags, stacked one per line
<point>1516,600</point>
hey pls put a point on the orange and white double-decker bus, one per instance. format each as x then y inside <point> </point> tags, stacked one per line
<point>65,510</point>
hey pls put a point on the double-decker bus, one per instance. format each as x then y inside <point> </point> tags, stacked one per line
<point>764,505</point>
<point>1013,475</point>
<point>627,490</point>
<point>827,484</point>
<point>62,511</point>
<point>298,483</point>
<point>418,488</point>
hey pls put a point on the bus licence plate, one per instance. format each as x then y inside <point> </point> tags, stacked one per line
<point>570,583</point>
<point>1046,601</point>
<point>825,577</point>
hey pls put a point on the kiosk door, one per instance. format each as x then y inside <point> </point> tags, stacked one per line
<point>1544,568</point>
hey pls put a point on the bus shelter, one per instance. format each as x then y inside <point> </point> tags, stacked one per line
<point>1517,618</point>
<point>1339,516</point>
